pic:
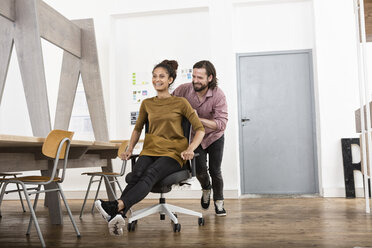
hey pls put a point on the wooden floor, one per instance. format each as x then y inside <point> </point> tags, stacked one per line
<point>258,222</point>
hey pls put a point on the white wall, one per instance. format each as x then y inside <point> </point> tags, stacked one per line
<point>187,34</point>
<point>274,26</point>
<point>134,35</point>
<point>337,86</point>
<point>153,41</point>
<point>271,26</point>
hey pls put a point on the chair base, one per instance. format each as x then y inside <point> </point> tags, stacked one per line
<point>7,174</point>
<point>162,208</point>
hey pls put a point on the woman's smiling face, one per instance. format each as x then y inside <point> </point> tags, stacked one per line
<point>161,79</point>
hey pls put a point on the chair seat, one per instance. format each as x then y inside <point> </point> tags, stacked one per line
<point>2,174</point>
<point>165,185</point>
<point>99,173</point>
<point>36,179</point>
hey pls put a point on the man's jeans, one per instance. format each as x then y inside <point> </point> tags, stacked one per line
<point>215,152</point>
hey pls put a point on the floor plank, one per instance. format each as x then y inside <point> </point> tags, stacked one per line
<point>256,222</point>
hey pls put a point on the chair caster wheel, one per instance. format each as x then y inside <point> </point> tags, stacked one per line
<point>177,227</point>
<point>201,221</point>
<point>131,226</point>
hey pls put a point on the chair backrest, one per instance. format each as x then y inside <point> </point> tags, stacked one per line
<point>165,185</point>
<point>57,142</point>
<point>52,142</point>
<point>186,127</point>
<point>122,149</point>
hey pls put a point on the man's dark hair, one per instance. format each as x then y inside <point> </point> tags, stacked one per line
<point>209,67</point>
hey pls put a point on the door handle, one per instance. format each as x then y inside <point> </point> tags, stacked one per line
<point>244,121</point>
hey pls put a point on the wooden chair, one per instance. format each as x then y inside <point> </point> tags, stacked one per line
<point>56,147</point>
<point>109,177</point>
<point>14,175</point>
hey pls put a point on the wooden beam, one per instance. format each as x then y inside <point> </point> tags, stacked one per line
<point>8,163</point>
<point>16,162</point>
<point>57,29</point>
<point>357,118</point>
<point>6,46</point>
<point>53,26</point>
<point>52,200</point>
<point>89,69</point>
<point>30,60</point>
<point>91,76</point>
<point>67,90</point>
<point>7,9</point>
<point>368,19</point>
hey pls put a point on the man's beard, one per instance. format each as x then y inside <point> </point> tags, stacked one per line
<point>199,89</point>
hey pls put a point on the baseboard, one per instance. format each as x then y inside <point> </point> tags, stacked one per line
<point>190,194</point>
<point>340,192</point>
<point>174,194</point>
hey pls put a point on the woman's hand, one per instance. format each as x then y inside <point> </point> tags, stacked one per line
<point>126,155</point>
<point>188,154</point>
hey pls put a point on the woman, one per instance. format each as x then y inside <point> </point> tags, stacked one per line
<point>165,148</point>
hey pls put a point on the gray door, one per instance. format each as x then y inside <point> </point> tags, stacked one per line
<point>277,131</point>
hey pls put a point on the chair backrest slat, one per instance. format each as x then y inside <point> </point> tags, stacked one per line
<point>52,142</point>
<point>123,147</point>
<point>186,127</point>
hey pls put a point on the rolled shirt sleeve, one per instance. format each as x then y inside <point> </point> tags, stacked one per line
<point>220,113</point>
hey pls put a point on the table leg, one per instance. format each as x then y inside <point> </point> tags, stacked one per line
<point>108,168</point>
<point>53,200</point>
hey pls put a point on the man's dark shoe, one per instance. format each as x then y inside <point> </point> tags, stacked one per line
<point>206,198</point>
<point>219,208</point>
<point>108,209</point>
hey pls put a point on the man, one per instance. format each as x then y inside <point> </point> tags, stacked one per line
<point>210,103</point>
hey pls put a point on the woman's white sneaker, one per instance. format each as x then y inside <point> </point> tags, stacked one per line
<point>108,209</point>
<point>116,225</point>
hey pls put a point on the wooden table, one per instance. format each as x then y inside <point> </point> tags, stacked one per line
<point>23,153</point>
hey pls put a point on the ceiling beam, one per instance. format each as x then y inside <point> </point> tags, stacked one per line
<point>53,26</point>
<point>7,9</point>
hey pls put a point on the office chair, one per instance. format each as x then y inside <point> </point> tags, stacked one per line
<point>106,176</point>
<point>165,186</point>
<point>56,147</point>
